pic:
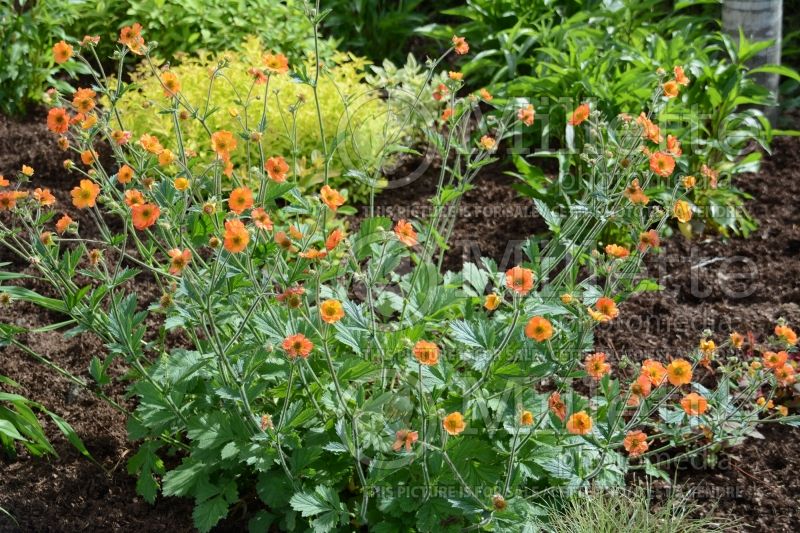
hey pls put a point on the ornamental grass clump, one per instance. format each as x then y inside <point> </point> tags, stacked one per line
<point>336,372</point>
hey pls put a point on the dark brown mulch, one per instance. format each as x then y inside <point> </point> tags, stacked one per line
<point>756,483</point>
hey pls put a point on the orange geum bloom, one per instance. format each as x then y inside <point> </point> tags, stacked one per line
<point>277,63</point>
<point>297,345</point>
<point>674,146</point>
<point>440,92</point>
<point>580,114</point>
<point>694,404</point>
<point>150,143</point>
<point>671,88</point>
<point>605,310</point>
<point>640,389</point>
<point>662,164</point>
<point>649,130</point>
<point>655,371</point>
<point>331,197</point>
<point>90,121</point>
<point>460,45</point>
<point>313,254</point>
<point>527,115</point>
<point>579,423</point>
<point>63,224</point>
<point>427,353</point>
<point>166,157</point>
<point>454,423</point>
<point>121,137</point>
<point>635,443</point>
<point>4,182</point>
<point>679,372</point>
<point>486,95</point>
<point>689,182</point>
<point>404,438</point>
<point>786,334</point>
<point>131,36</point>
<point>711,174</point>
<point>648,239</point>
<point>526,418</point>
<point>737,340</point>
<point>785,374</point>
<point>293,296</point>
<point>144,215</point>
<point>58,120</point>
<point>27,171</point>
<point>682,211</point>
<point>8,199</point>
<point>83,100</point>
<point>61,52</point>
<point>596,365</point>
<point>455,76</point>
<point>775,359</point>
<point>707,346</point>
<point>223,143</point>
<point>241,199</point>
<point>405,232</point>
<point>261,219</point>
<point>236,236</point>
<point>680,77</point>
<point>333,239</point>
<point>85,194</point>
<point>276,168</point>
<point>615,250</point>
<point>519,280</point>
<point>539,329</point>
<point>331,311</point>
<point>46,238</point>
<point>447,114</point>
<point>178,260</point>
<point>181,184</point>
<point>492,302</point>
<point>488,143</point>
<point>44,197</point>
<point>133,197</point>
<point>170,83</point>
<point>88,157</point>
<point>634,193</point>
<point>557,406</point>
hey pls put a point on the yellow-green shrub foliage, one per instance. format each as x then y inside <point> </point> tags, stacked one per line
<point>354,117</point>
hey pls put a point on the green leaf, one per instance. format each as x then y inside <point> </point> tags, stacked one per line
<point>208,513</point>
<point>181,481</point>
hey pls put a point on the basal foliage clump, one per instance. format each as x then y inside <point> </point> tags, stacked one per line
<point>341,375</point>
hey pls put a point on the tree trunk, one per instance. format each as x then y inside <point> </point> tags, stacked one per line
<point>760,20</point>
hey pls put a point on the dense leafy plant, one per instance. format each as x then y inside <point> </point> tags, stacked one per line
<point>28,30</point>
<point>344,377</point>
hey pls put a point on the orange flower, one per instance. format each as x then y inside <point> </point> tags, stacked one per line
<point>492,302</point>
<point>662,164</point>
<point>131,36</point>
<point>236,236</point>
<point>427,353</point>
<point>44,197</point>
<point>223,143</point>
<point>124,174</point>
<point>293,297</point>
<point>276,168</point>
<point>144,215</point>
<point>680,77</point>
<point>519,280</point>
<point>171,84</point>
<point>615,250</point>
<point>241,198</point>
<point>440,92</point>
<point>460,45</point>
<point>539,329</point>
<point>605,310</point>
<point>27,171</point>
<point>596,365</point>
<point>785,375</point>
<point>331,311</point>
<point>640,389</point>
<point>486,95</point>
<point>313,254</point>
<point>85,194</point>
<point>63,224</point>
<point>635,443</point>
<point>682,211</point>
<point>648,239</point>
<point>526,418</point>
<point>405,232</point>
<point>4,182</point>
<point>404,438</point>
<point>61,52</point>
<point>671,88</point>
<point>488,143</point>
<point>83,100</point>
<point>527,115</point>
<point>331,197</point>
<point>775,359</point>
<point>737,340</point>
<point>121,137</point>
<point>655,371</point>
<point>166,157</point>
<point>635,194</point>
<point>455,76</point>
<point>178,260</point>
<point>679,372</point>
<point>557,406</point>
<point>333,239</point>
<point>786,334</point>
<point>297,345</point>
<point>674,146</point>
<point>447,114</point>
<point>8,199</point>
<point>181,184</point>
<point>88,157</point>
<point>277,63</point>
<point>150,143</point>
<point>649,130</point>
<point>707,346</point>
<point>454,423</point>
<point>261,219</point>
<point>580,114</point>
<point>694,404</point>
<point>133,197</point>
<point>579,423</point>
<point>90,121</point>
<point>58,120</point>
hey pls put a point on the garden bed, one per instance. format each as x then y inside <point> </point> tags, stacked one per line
<point>709,283</point>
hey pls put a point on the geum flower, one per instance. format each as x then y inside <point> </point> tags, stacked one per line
<point>297,345</point>
<point>426,353</point>
<point>179,260</point>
